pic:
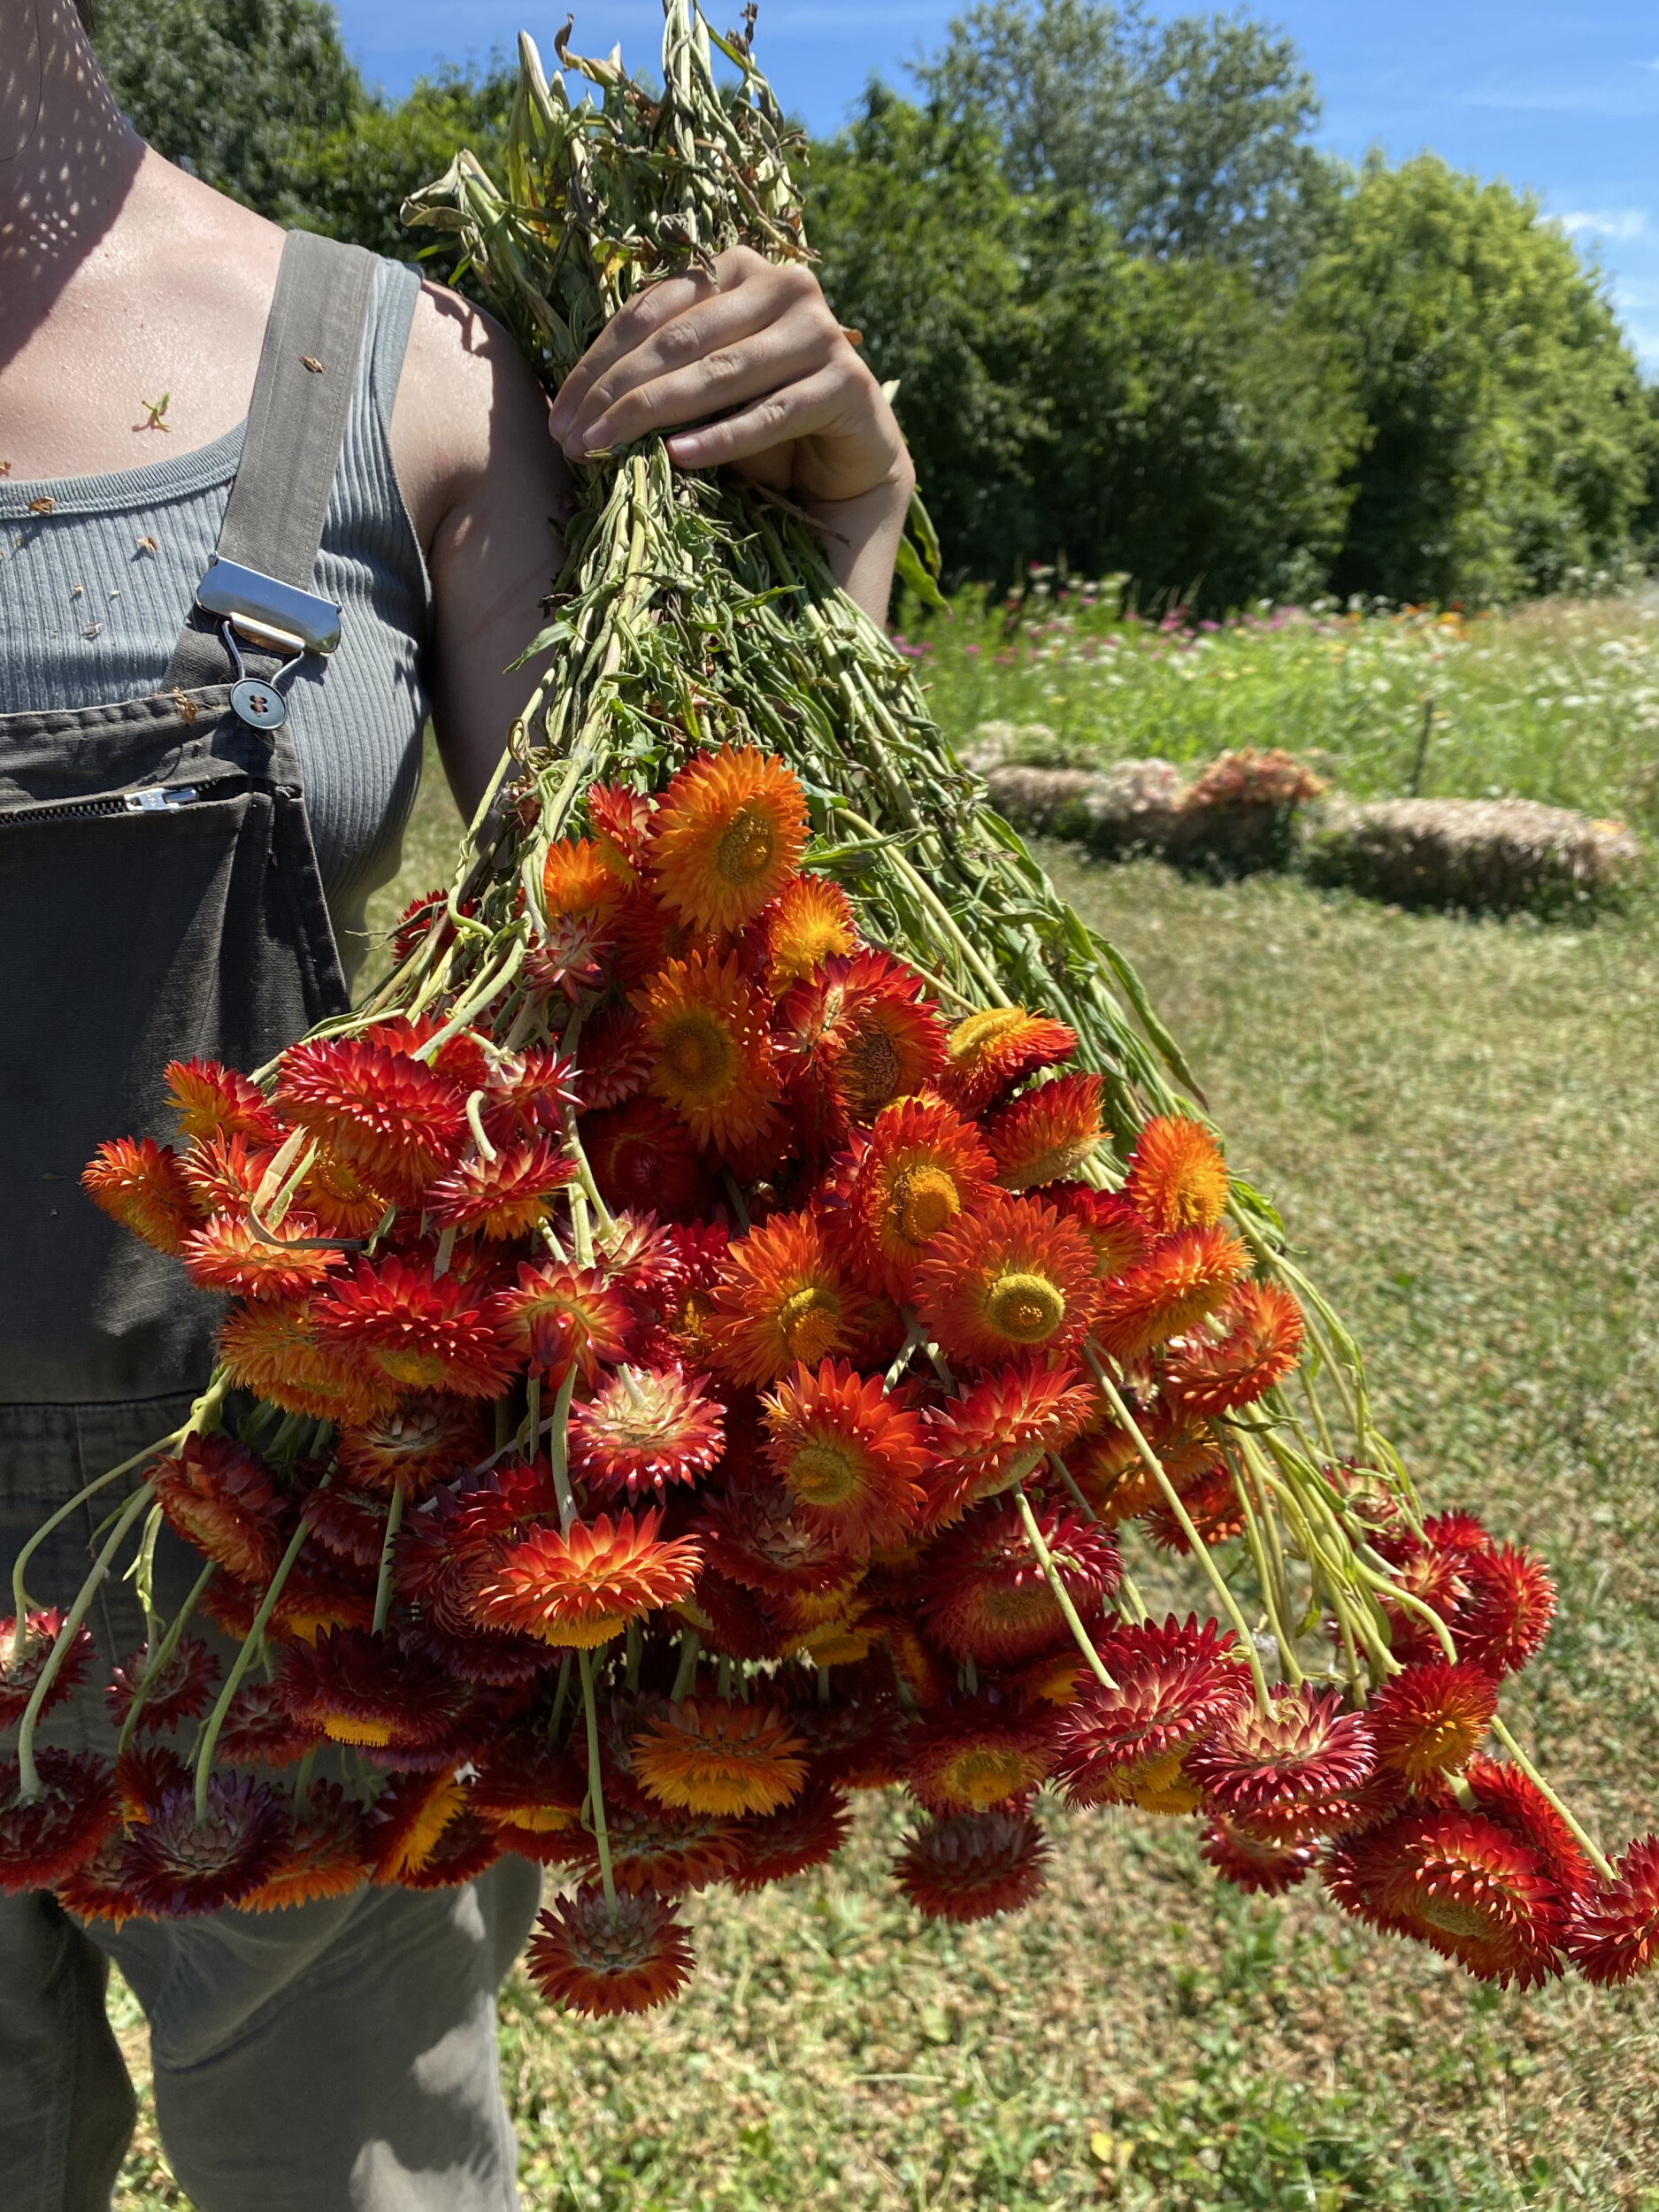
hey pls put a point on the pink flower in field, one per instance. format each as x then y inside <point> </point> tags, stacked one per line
<point>973,651</point>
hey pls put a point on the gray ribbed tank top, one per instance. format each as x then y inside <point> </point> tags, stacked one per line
<point>93,595</point>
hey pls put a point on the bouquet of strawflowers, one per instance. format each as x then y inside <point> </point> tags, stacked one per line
<point>724,1326</point>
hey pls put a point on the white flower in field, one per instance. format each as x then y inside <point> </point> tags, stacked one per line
<point>1381,685</point>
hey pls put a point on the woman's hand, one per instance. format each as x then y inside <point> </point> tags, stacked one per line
<point>757,350</point>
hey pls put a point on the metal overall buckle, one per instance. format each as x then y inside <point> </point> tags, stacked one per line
<point>276,617</point>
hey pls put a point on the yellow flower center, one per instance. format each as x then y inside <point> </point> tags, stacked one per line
<point>1022,1607</point>
<point>985,1774</point>
<point>746,847</point>
<point>970,1038</point>
<point>354,1728</point>
<point>1026,1309</point>
<point>925,1201</point>
<point>698,1052</point>
<point>1453,1917</point>
<point>828,1471</point>
<point>413,1370</point>
<point>809,1321</point>
<point>539,1819</point>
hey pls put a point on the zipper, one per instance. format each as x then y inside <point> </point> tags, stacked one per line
<point>157,799</point>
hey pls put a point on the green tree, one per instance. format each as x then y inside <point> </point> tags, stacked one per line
<point>1190,136</point>
<point>1161,418</point>
<point>1509,432</point>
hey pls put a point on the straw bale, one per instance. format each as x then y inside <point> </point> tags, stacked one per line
<point>1488,855</point>
<point>1130,807</point>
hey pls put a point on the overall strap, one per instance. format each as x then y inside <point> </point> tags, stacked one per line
<point>297,424</point>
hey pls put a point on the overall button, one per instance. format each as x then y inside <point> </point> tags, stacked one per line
<point>260,705</point>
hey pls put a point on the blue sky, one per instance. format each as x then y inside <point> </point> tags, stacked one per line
<point>1564,101</point>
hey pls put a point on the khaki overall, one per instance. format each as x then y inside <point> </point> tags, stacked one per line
<point>159,899</point>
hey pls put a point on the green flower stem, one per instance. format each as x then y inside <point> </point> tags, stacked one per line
<point>559,1450</point>
<point>383,1582</point>
<point>1272,1594</point>
<point>596,1787</point>
<point>1200,1550</point>
<point>28,1774</point>
<point>240,1665</point>
<point>686,1673</point>
<point>158,1657</point>
<point>1062,1595</point>
<point>1592,1848</point>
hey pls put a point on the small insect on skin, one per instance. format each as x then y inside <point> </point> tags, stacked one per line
<point>154,410</point>
<point>311,362</point>
<point>148,545</point>
<point>43,505</point>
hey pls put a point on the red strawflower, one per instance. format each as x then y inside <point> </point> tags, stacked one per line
<point>1431,1718</point>
<point>558,1315</point>
<point>223,1174</point>
<point>96,1889</point>
<point>416,1330</point>
<point>987,1054</point>
<point>1258,1340</point>
<point>861,1037</point>
<point>382,1110</point>
<point>260,1732</point>
<point>19,1672</point>
<point>347,1524</point>
<point>219,1495</point>
<point>139,1183</point>
<point>847,1454</point>
<point>1048,1134</point>
<point>43,1839</point>
<point>1211,1504</point>
<point>599,1961</point>
<point>753,1535</point>
<point>582,1588</point>
<point>971,1866</point>
<point>774,1847</point>
<point>1291,1772</point>
<point>358,1688</point>
<point>271,1349</point>
<point>418,1442</point>
<point>620,820</point>
<point>654,1849</point>
<point>614,1061</point>
<point>1118,1235</point>
<point>176,1865</point>
<point>181,1689</point>
<point>988,1598</point>
<point>1180,1282</point>
<point>1014,1277</point>
<point>642,1157</point>
<point>464,1850</point>
<point>1176,1177</point>
<point>1259,1868</point>
<point>504,1197</point>
<point>1503,1793</point>
<point>1461,1884</point>
<point>1613,1933</point>
<point>1510,1604</point>
<point>997,1432</point>
<point>1174,1684</point>
<point>645,1428</point>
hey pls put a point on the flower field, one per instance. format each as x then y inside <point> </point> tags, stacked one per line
<point>1135,2036</point>
<point>1557,702</point>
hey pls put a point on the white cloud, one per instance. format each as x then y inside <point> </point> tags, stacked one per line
<point>1605,222</point>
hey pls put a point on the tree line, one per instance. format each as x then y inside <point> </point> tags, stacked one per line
<point>1138,322</point>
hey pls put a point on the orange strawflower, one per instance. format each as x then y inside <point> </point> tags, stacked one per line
<point>271,1349</point>
<point>971,1756</point>
<point>621,823</point>
<point>214,1100</point>
<point>780,1299</point>
<point>560,1313</point>
<point>222,1173</point>
<point>727,836</point>
<point>339,1197</point>
<point>811,922</point>
<point>1177,1178</point>
<point>1261,1341</point>
<point>583,1588</point>
<point>323,1857</point>
<point>990,1601</point>
<point>709,1755</point>
<point>1181,1281</point>
<point>925,1164</point>
<point>847,1454</point>
<point>1013,1278</point>
<point>408,1820</point>
<point>139,1184</point>
<point>581,878</point>
<point>997,1432</point>
<point>1048,1135</point>
<point>711,1052</point>
<point>1108,1221</point>
<point>416,1330</point>
<point>229,1255</point>
<point>399,1122</point>
<point>598,1960</point>
<point>219,1496</point>
<point>987,1054</point>
<point>1431,1718</point>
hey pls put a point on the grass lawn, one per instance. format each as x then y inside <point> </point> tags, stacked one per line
<point>1458,1120</point>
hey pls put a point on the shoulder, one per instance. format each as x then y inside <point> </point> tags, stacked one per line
<point>470,417</point>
